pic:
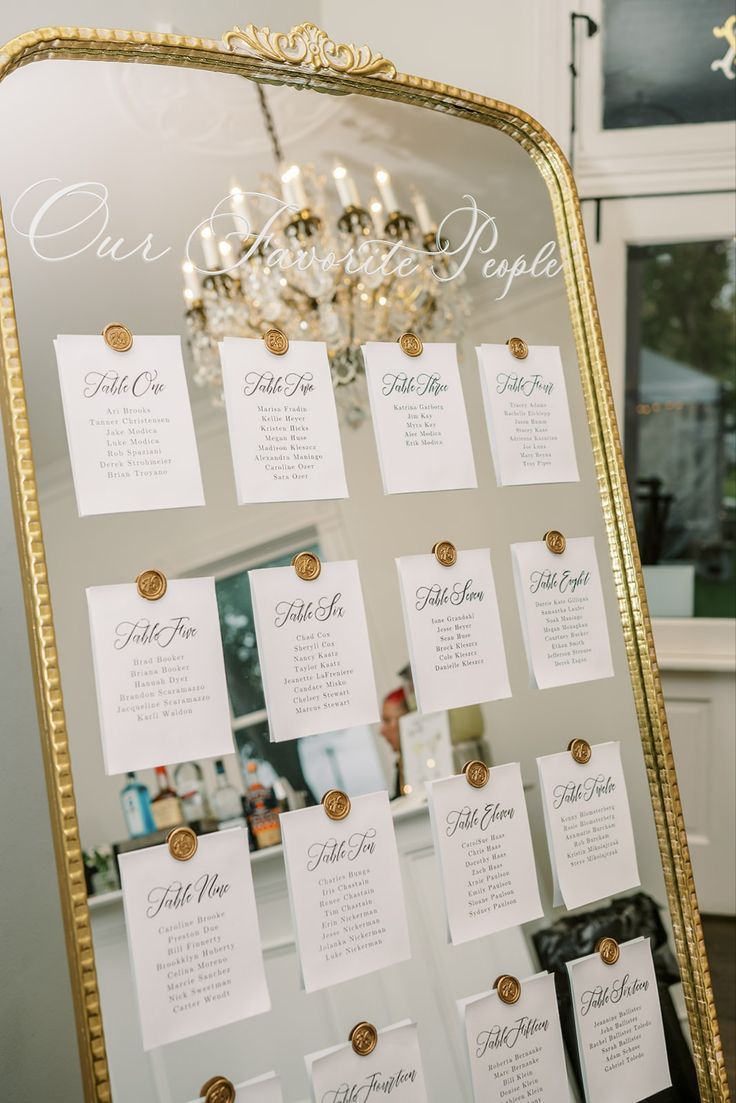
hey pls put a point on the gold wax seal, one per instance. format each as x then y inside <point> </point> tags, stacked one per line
<point>555,541</point>
<point>364,1038</point>
<point>218,1090</point>
<point>118,337</point>
<point>445,553</point>
<point>336,804</point>
<point>307,565</point>
<point>410,344</point>
<point>518,347</point>
<point>508,988</point>
<point>182,843</point>
<point>276,341</point>
<point>609,950</point>
<point>151,584</point>
<point>580,750</point>
<point>477,773</point>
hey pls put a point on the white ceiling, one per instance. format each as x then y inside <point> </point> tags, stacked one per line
<point>166,143</point>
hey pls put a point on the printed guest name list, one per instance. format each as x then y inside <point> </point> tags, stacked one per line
<point>282,419</point>
<point>313,646</point>
<point>129,425</point>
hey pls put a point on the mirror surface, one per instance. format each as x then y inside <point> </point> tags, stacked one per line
<point>163,145</point>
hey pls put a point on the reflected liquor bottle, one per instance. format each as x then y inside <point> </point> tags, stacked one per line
<point>262,809</point>
<point>136,803</point>
<point>189,782</point>
<point>166,806</point>
<point>226,801</point>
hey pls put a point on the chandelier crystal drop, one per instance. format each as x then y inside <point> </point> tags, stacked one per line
<point>250,280</point>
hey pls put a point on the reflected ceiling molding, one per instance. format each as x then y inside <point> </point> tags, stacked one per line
<point>218,119</point>
<point>307,44</point>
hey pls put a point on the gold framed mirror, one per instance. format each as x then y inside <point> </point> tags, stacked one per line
<point>307,61</point>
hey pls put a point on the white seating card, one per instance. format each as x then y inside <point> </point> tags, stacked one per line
<point>527,415</point>
<point>453,630</point>
<point>419,418</point>
<point>588,821</point>
<point>282,419</point>
<point>313,647</point>
<point>128,424</point>
<point>563,617</point>
<point>392,1071</point>
<point>618,1020</point>
<point>345,891</point>
<point>262,1089</point>
<point>160,675</point>
<point>193,937</point>
<point>516,1051</point>
<point>484,846</point>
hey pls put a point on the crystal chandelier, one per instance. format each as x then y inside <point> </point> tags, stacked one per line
<point>302,254</point>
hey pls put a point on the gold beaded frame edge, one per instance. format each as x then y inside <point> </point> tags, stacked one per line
<point>307,58</point>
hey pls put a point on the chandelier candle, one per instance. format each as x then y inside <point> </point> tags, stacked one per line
<point>346,189</point>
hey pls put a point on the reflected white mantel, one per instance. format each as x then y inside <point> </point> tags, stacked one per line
<point>424,988</point>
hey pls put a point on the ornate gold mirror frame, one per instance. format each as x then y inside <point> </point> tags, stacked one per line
<point>307,58</point>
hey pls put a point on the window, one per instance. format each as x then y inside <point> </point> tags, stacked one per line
<point>680,421</point>
<point>346,760</point>
<point>667,62</point>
